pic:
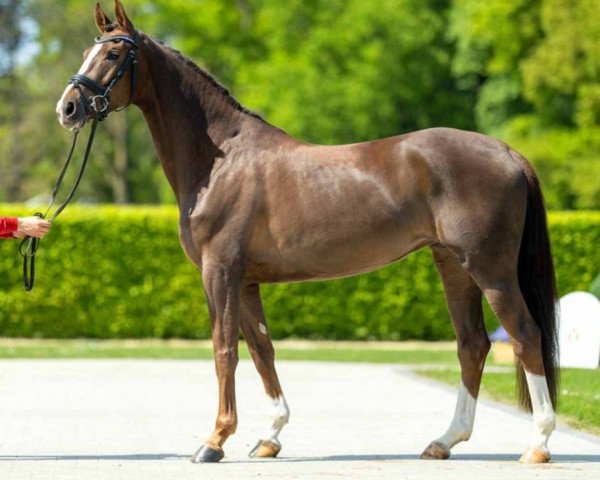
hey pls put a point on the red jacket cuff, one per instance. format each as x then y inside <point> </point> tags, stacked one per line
<point>8,226</point>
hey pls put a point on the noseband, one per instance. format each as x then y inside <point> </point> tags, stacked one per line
<point>100,102</point>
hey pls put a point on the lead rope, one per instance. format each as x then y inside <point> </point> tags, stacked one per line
<point>29,246</point>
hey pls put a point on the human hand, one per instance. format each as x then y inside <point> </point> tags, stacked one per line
<point>33,227</point>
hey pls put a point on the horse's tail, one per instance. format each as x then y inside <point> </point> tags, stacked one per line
<point>538,287</point>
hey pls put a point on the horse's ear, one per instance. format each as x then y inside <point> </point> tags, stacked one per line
<point>102,19</point>
<point>122,18</point>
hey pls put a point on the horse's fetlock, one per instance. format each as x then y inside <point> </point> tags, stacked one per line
<point>227,423</point>
<point>546,422</point>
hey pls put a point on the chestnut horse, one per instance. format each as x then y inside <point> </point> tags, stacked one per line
<point>258,206</point>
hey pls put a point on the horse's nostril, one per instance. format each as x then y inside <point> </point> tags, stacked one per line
<point>70,109</point>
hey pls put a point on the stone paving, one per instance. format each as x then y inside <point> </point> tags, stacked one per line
<point>141,419</point>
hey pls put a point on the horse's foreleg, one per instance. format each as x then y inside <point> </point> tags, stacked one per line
<point>464,303</point>
<point>222,287</point>
<point>254,327</point>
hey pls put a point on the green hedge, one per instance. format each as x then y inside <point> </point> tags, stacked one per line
<point>114,272</point>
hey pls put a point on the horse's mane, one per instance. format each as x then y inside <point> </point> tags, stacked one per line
<point>219,87</point>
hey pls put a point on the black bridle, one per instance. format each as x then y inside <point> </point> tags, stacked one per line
<point>100,104</point>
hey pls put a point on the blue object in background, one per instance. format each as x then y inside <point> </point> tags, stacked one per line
<point>499,335</point>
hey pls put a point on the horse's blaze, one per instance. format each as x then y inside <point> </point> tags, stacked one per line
<point>436,451</point>
<point>535,455</point>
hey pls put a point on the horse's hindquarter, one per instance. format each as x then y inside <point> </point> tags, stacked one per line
<point>337,211</point>
<point>479,199</point>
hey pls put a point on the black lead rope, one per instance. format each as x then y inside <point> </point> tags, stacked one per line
<point>29,246</point>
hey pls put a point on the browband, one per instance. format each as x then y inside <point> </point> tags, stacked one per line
<point>118,38</point>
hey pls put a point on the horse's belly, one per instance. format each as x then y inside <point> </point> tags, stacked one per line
<point>346,211</point>
<point>339,249</point>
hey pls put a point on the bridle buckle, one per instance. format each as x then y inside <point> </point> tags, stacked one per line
<point>100,104</point>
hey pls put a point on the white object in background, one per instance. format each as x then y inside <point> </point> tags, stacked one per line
<point>579,337</point>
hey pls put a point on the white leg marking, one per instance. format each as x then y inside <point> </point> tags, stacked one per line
<point>462,424</point>
<point>263,328</point>
<point>544,419</point>
<point>280,416</point>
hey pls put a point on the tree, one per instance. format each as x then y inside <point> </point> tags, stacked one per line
<point>123,164</point>
<point>11,97</point>
<point>535,67</point>
<point>328,71</point>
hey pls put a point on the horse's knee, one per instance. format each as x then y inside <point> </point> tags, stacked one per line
<point>226,359</point>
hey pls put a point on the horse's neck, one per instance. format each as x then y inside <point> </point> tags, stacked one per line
<point>191,120</point>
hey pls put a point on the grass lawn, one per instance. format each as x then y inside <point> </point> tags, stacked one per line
<point>579,403</point>
<point>384,352</point>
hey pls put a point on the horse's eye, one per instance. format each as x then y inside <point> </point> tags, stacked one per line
<point>113,55</point>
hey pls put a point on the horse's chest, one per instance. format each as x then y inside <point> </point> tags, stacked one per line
<point>212,216</point>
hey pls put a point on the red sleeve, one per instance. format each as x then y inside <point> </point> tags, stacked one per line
<point>8,226</point>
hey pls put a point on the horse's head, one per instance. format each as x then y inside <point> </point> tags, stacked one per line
<point>107,79</point>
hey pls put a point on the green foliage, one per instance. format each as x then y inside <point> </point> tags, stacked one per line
<point>575,238</point>
<point>303,350</point>
<point>107,272</point>
<point>326,71</point>
<point>536,67</point>
<point>565,159</point>
<point>569,50</point>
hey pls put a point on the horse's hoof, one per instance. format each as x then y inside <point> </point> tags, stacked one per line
<point>436,451</point>
<point>266,449</point>
<point>535,455</point>
<point>206,454</point>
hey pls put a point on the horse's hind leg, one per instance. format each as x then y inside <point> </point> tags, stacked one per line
<point>506,300</point>
<point>464,303</point>
<point>254,327</point>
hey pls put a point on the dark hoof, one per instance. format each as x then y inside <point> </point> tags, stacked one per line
<point>205,454</point>
<point>265,449</point>
<point>436,451</point>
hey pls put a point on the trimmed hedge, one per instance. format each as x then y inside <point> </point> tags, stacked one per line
<point>115,272</point>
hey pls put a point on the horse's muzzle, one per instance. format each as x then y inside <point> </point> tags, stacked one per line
<point>70,110</point>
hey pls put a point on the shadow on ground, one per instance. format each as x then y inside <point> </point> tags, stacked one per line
<point>477,457</point>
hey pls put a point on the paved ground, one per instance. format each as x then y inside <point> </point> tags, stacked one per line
<point>141,420</point>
